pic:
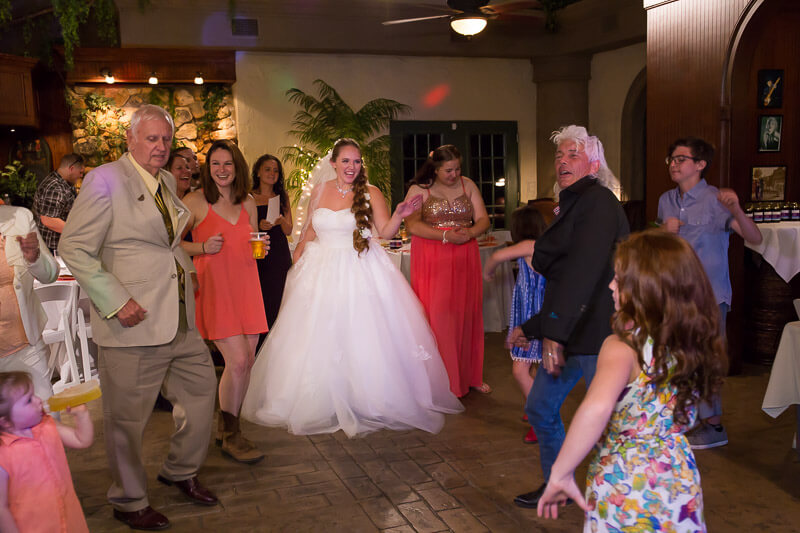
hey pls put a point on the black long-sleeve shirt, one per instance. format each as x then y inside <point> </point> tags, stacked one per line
<point>576,256</point>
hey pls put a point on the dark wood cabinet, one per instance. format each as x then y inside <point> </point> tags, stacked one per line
<point>17,101</point>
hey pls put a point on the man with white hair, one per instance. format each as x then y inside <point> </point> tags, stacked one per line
<point>122,243</point>
<point>575,254</point>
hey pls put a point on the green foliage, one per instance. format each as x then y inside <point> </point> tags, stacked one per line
<point>71,14</point>
<point>18,183</point>
<point>324,119</point>
<point>5,12</point>
<point>105,20</point>
<point>213,96</point>
<point>101,122</point>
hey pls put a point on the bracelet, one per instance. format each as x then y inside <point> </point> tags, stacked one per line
<point>444,237</point>
<point>203,245</point>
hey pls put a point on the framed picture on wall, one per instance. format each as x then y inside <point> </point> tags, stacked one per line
<point>769,133</point>
<point>768,183</point>
<point>770,88</point>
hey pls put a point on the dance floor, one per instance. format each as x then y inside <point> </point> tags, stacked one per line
<point>463,479</point>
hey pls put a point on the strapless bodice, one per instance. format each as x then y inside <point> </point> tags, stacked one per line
<point>440,213</point>
<point>334,228</point>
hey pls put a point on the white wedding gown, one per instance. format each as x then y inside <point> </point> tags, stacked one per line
<point>351,348</point>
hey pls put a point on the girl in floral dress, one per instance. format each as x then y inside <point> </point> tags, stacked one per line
<point>664,357</point>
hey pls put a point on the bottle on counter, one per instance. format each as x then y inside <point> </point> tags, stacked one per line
<point>785,211</point>
<point>795,211</point>
<point>758,213</point>
<point>749,210</point>
<point>775,212</point>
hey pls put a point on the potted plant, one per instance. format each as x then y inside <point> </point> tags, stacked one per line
<point>324,119</point>
<point>18,184</point>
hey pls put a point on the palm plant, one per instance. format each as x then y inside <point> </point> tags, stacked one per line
<point>324,119</point>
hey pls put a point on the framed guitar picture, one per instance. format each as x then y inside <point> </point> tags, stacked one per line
<point>770,88</point>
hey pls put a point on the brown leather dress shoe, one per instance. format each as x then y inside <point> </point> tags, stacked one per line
<point>193,490</point>
<point>147,519</point>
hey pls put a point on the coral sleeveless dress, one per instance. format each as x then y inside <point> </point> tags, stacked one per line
<point>228,301</point>
<point>447,280</point>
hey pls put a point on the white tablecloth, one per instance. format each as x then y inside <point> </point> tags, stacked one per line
<point>784,380</point>
<point>780,247</point>
<point>496,293</point>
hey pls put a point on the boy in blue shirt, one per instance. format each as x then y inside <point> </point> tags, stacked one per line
<point>705,217</point>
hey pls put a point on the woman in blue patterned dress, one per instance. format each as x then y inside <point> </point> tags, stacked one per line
<point>664,357</point>
<point>527,223</point>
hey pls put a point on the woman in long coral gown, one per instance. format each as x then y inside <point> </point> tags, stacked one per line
<point>446,264</point>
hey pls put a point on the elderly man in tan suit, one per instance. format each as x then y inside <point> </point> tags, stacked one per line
<point>122,243</point>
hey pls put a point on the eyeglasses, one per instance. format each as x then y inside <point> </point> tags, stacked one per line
<point>680,159</point>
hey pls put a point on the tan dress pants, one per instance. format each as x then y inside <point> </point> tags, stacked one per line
<point>131,378</point>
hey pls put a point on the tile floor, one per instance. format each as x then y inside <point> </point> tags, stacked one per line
<point>463,479</point>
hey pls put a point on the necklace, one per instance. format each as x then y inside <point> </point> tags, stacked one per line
<point>342,190</point>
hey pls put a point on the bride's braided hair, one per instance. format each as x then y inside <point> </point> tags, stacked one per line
<point>361,208</point>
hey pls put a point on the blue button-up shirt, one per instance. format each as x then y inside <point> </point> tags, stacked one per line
<point>706,224</point>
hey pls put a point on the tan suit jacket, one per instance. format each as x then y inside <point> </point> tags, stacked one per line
<point>116,245</point>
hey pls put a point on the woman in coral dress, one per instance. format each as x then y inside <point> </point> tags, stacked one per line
<point>229,308</point>
<point>446,264</point>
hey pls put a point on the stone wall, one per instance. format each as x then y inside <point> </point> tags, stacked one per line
<point>100,116</point>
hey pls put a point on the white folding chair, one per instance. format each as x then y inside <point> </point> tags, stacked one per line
<point>60,303</point>
<point>84,333</point>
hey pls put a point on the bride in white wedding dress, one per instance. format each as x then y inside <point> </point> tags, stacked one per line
<point>351,348</point>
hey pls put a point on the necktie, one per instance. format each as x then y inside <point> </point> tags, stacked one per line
<point>162,206</point>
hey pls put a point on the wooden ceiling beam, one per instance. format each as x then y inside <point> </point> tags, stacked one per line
<point>135,65</point>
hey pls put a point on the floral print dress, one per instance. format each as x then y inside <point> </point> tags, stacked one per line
<point>644,476</point>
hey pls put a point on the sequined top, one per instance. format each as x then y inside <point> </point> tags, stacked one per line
<point>440,213</point>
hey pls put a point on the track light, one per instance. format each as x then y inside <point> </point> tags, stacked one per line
<point>106,73</point>
<point>198,80</point>
<point>469,25</point>
<point>153,79</point>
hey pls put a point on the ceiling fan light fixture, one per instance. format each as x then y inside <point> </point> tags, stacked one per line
<point>469,25</point>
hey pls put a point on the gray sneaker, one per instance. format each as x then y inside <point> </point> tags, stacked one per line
<point>706,436</point>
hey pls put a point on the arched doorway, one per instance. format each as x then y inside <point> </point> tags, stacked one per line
<point>765,40</point>
<point>633,146</point>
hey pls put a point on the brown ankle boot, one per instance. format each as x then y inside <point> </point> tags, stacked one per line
<point>220,429</point>
<point>234,445</point>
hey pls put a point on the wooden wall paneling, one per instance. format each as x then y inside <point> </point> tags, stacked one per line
<point>54,123</point>
<point>686,46</point>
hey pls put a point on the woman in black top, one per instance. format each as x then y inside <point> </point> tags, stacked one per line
<point>268,183</point>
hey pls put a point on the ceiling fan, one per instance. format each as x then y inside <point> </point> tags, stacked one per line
<point>469,17</point>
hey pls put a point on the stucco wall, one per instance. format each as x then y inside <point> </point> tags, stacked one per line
<point>613,73</point>
<point>480,89</point>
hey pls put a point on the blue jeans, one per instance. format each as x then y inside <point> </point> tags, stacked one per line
<point>543,406</point>
<point>706,410</point>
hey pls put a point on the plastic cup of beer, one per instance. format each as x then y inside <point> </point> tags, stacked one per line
<point>74,396</point>
<point>258,244</point>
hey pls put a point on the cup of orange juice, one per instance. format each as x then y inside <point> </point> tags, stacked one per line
<point>258,244</point>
